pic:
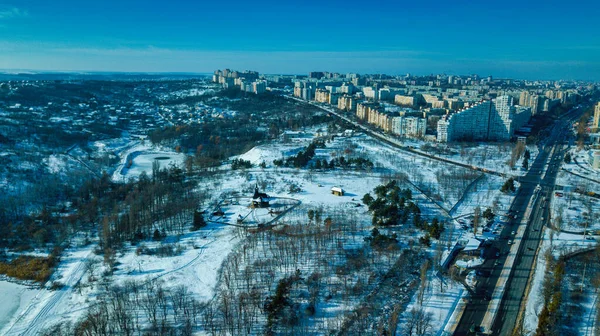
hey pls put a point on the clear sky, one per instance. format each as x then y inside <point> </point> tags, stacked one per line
<point>545,39</point>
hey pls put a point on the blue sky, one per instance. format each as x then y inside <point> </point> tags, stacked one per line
<point>520,39</point>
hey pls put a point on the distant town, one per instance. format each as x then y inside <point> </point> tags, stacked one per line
<point>443,108</point>
<point>243,203</point>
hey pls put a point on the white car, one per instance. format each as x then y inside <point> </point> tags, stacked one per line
<point>513,232</point>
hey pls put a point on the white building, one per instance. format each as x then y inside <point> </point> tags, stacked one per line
<point>494,120</point>
<point>409,126</point>
<point>596,123</point>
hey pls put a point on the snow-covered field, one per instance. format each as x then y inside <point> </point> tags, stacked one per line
<point>197,267</point>
<point>493,156</point>
<point>140,158</point>
<point>437,188</point>
<point>14,298</point>
<point>441,297</point>
<point>580,164</point>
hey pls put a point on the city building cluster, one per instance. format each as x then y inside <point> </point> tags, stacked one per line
<point>247,81</point>
<point>438,107</point>
<point>442,108</point>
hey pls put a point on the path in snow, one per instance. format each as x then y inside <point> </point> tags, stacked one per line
<point>47,303</point>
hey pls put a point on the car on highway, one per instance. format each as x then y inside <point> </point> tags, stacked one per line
<point>510,242</point>
<point>513,232</point>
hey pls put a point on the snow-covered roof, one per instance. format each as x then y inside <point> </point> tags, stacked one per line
<point>337,189</point>
<point>472,245</point>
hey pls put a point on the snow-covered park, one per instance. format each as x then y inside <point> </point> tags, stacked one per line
<point>440,190</point>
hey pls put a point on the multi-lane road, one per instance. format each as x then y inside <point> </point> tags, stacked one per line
<point>542,173</point>
<point>536,188</point>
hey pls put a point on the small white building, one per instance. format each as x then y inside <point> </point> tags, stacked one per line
<point>338,191</point>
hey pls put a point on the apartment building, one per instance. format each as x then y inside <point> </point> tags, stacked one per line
<point>596,123</point>
<point>494,120</point>
<point>346,103</point>
<point>409,126</point>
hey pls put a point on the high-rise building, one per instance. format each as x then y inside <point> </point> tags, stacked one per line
<point>596,123</point>
<point>322,96</point>
<point>495,120</point>
<point>409,126</point>
<point>405,100</point>
<point>346,103</point>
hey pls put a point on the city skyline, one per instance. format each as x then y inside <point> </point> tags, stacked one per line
<point>537,40</point>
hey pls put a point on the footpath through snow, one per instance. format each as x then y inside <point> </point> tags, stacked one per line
<point>48,306</point>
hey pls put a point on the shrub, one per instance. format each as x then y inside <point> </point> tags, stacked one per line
<point>56,285</point>
<point>28,268</point>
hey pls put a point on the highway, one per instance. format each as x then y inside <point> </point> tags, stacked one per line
<point>536,187</point>
<point>542,172</point>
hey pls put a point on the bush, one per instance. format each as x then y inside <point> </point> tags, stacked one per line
<point>157,235</point>
<point>199,221</point>
<point>28,268</point>
<point>381,241</point>
<point>165,250</point>
<point>240,164</point>
<point>56,285</point>
<point>508,186</point>
<point>425,240</point>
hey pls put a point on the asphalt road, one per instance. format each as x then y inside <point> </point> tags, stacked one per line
<point>515,287</point>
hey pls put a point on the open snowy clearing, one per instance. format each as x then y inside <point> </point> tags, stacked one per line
<point>14,298</point>
<point>140,158</point>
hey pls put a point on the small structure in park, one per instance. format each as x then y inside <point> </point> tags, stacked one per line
<point>259,200</point>
<point>338,191</point>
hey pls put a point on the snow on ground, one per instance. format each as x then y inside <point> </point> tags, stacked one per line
<point>493,156</point>
<point>115,145</point>
<point>203,251</point>
<point>578,212</point>
<point>484,193</point>
<point>197,267</point>
<point>580,164</point>
<point>55,164</point>
<point>141,157</point>
<point>14,298</point>
<point>316,190</point>
<point>440,299</point>
<point>535,300</point>
<point>143,162</point>
<point>558,244</point>
<point>48,307</point>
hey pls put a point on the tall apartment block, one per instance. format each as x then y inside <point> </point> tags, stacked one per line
<point>596,123</point>
<point>494,120</point>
